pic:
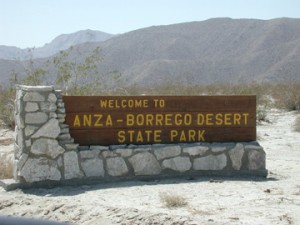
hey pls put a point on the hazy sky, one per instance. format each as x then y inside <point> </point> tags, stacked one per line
<point>29,23</point>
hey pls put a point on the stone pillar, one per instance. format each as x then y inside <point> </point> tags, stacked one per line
<point>42,138</point>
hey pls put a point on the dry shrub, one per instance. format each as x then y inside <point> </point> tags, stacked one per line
<point>263,93</point>
<point>6,166</point>
<point>172,201</point>
<point>7,107</point>
<point>287,96</point>
<point>297,124</point>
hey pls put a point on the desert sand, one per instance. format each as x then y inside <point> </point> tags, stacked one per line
<point>274,200</point>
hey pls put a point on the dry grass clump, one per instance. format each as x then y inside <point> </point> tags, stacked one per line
<point>6,167</point>
<point>172,200</point>
<point>297,124</point>
<point>298,191</point>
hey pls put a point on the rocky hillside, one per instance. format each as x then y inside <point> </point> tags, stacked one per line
<point>217,50</point>
<point>213,51</point>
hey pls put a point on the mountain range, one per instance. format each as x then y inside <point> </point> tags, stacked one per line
<point>62,42</point>
<point>220,50</point>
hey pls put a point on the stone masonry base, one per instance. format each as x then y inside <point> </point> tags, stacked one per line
<point>46,154</point>
<point>103,164</point>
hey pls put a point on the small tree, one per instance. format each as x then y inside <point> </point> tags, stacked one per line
<point>75,77</point>
<point>33,74</point>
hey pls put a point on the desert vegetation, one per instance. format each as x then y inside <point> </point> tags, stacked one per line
<point>172,200</point>
<point>7,107</point>
<point>6,166</point>
<point>83,78</point>
<point>280,96</point>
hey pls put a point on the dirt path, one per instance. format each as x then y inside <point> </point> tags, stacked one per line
<point>275,200</point>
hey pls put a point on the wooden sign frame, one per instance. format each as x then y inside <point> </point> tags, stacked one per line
<point>110,120</point>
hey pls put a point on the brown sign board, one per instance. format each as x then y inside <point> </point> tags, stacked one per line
<point>110,120</point>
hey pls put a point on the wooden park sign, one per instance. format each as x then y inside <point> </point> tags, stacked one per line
<point>109,120</point>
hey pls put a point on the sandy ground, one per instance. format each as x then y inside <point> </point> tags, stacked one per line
<point>275,200</point>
